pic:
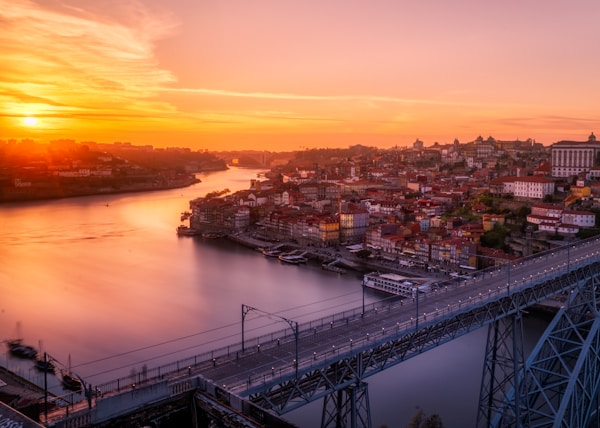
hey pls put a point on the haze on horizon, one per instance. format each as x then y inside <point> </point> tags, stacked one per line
<point>282,75</point>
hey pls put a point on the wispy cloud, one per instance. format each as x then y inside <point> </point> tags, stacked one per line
<point>545,121</point>
<point>302,97</point>
<point>60,57</point>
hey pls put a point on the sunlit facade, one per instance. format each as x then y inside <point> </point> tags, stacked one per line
<point>571,158</point>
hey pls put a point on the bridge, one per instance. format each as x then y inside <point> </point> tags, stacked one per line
<point>330,357</point>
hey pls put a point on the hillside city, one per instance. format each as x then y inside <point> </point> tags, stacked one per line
<point>443,207</point>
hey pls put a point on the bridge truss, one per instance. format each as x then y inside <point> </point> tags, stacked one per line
<point>558,385</point>
<point>504,360</point>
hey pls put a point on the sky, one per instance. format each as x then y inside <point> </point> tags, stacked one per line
<point>287,75</point>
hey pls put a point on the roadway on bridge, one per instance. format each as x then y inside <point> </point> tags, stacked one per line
<point>320,343</point>
<point>264,363</point>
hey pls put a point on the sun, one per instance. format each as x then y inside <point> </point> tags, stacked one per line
<point>30,121</point>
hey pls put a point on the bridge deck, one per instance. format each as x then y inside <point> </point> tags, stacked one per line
<point>263,367</point>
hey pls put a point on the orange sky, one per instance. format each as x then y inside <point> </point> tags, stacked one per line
<point>285,75</point>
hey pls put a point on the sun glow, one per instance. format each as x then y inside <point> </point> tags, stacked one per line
<point>30,121</point>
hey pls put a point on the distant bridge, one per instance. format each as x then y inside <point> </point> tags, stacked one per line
<point>332,356</point>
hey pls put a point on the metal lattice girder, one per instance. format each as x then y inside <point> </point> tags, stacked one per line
<point>562,375</point>
<point>347,408</point>
<point>288,393</point>
<point>502,372</point>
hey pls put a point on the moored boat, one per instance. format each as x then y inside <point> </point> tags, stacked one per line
<point>271,253</point>
<point>45,366</point>
<point>68,380</point>
<point>16,348</point>
<point>212,235</point>
<point>71,382</point>
<point>292,259</point>
<point>395,284</point>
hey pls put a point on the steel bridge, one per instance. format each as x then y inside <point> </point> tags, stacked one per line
<point>330,358</point>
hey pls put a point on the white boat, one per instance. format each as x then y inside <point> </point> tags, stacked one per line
<point>394,284</point>
<point>295,260</point>
<point>292,258</point>
<point>271,253</point>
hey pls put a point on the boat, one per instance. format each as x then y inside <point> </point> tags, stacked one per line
<point>71,382</point>
<point>45,366</point>
<point>212,235</point>
<point>186,231</point>
<point>292,258</point>
<point>271,253</point>
<point>332,267</point>
<point>16,348</point>
<point>395,284</point>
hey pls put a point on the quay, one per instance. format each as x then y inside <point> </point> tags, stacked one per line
<point>337,263</point>
<point>19,401</point>
<point>184,403</point>
<point>263,377</point>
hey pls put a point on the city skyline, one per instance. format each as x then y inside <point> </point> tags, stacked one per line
<point>284,76</point>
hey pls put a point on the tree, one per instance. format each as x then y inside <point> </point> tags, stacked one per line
<point>495,238</point>
<point>416,420</point>
<point>433,421</point>
<point>421,420</point>
<point>363,254</point>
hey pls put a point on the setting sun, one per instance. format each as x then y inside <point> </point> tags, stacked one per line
<point>360,76</point>
<point>30,121</point>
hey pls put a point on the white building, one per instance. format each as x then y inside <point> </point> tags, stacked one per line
<point>554,219</point>
<point>569,158</point>
<point>579,218</point>
<point>534,187</point>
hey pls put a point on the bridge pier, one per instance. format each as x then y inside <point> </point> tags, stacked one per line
<point>559,384</point>
<point>502,371</point>
<point>347,408</point>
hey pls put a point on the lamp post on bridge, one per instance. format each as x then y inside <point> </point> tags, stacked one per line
<point>363,297</point>
<point>506,262</point>
<point>293,325</point>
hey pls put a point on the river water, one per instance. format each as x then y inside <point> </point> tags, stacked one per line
<point>105,283</point>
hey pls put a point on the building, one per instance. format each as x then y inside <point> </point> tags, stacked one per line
<point>531,187</point>
<point>571,158</point>
<point>558,220</point>
<point>353,225</point>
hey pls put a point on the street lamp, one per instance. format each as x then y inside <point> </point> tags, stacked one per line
<point>293,325</point>
<point>506,262</point>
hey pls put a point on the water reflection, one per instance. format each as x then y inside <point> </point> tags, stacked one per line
<point>106,280</point>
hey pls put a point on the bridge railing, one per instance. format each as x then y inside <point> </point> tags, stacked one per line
<point>355,345</point>
<point>236,349</point>
<point>253,344</point>
<point>183,368</point>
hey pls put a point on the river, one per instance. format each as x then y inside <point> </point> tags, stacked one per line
<point>105,283</point>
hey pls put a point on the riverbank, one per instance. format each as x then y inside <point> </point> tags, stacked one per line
<point>18,393</point>
<point>58,190</point>
<point>341,259</point>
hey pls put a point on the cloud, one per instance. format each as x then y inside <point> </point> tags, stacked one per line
<point>548,121</point>
<point>301,97</point>
<point>84,60</point>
